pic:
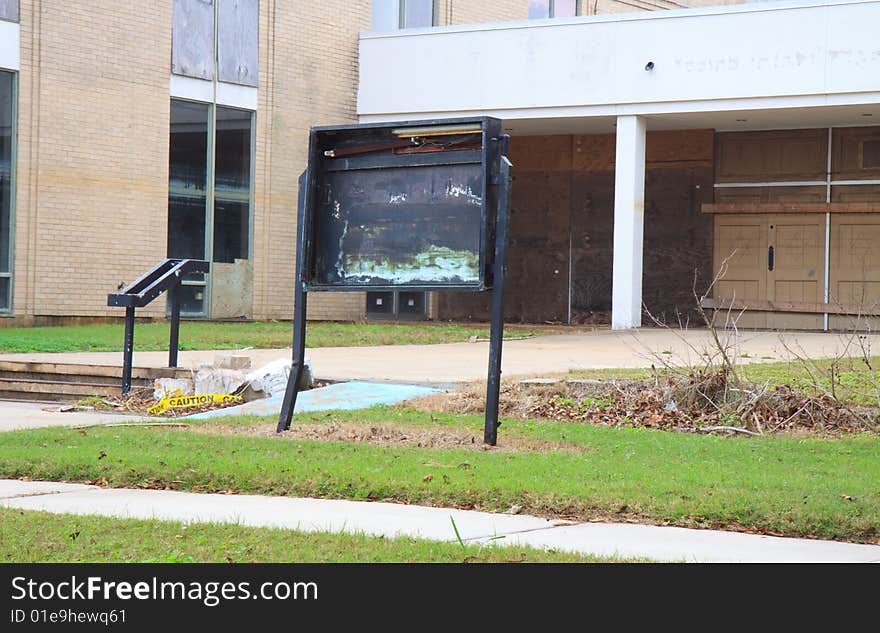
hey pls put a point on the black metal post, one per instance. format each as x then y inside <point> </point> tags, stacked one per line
<point>128,350</point>
<point>496,337</point>
<point>299,314</point>
<point>174,338</point>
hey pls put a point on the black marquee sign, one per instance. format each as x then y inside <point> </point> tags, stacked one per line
<point>419,205</point>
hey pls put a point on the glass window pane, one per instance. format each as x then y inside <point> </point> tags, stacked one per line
<point>539,9</point>
<point>7,171</point>
<point>564,8</point>
<point>188,179</point>
<point>192,299</point>
<point>232,184</point>
<point>418,13</point>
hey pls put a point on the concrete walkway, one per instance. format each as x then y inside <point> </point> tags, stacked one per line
<point>390,520</point>
<point>467,362</point>
<point>17,415</point>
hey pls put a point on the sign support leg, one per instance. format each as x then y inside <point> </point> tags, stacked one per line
<point>493,389</point>
<point>299,316</point>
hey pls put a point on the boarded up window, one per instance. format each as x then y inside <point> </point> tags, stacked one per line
<point>9,10</point>
<point>237,41</point>
<point>192,40</point>
<point>870,154</point>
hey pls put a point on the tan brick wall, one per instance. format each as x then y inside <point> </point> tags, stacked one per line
<point>601,7</point>
<point>91,203</point>
<point>308,76</point>
<point>454,12</point>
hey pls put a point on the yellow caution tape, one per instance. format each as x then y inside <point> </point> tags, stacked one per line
<point>187,402</point>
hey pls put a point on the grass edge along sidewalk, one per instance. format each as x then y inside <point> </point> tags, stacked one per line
<point>791,486</point>
<point>28,536</point>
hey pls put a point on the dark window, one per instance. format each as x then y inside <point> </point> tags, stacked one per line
<point>232,185</point>
<point>188,179</point>
<point>188,194</point>
<point>7,173</point>
<point>417,13</point>
<point>200,206</point>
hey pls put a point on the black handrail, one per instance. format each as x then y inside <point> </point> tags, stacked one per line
<point>164,276</point>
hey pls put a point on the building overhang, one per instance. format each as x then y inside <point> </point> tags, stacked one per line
<point>752,66</point>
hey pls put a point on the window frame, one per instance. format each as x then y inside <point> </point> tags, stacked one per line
<point>9,309</point>
<point>210,198</point>
<point>551,9</point>
<point>401,12</point>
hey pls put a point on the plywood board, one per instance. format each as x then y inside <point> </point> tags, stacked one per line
<point>192,39</point>
<point>783,155</point>
<point>237,37</point>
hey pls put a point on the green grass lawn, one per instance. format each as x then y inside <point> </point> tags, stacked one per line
<point>196,335</point>
<point>786,485</point>
<point>37,537</point>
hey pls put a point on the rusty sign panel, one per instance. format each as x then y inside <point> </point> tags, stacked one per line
<point>401,206</point>
<point>192,39</point>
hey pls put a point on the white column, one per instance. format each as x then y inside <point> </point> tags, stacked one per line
<point>629,220</point>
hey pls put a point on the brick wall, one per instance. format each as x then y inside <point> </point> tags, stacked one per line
<point>91,203</point>
<point>308,76</point>
<point>477,12</point>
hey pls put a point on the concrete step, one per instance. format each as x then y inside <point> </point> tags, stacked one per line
<point>60,382</point>
<point>54,390</point>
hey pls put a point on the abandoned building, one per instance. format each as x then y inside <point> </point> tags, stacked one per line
<point>655,144</point>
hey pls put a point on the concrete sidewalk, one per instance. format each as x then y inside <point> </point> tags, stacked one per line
<point>467,362</point>
<point>390,520</point>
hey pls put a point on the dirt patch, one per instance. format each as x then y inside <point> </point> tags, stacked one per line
<point>393,435</point>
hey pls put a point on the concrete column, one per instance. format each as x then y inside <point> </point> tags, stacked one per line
<point>629,221</point>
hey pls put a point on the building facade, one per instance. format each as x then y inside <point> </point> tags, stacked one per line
<point>653,145</point>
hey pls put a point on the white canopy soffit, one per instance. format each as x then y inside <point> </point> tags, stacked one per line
<point>752,66</point>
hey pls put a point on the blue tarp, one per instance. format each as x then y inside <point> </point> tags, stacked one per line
<point>343,395</point>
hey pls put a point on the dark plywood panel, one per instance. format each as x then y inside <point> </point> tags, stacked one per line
<point>855,193</point>
<point>782,155</point>
<point>673,147</point>
<point>733,195</point>
<point>537,258</point>
<point>540,153</point>
<point>552,206</point>
<point>855,153</point>
<point>592,240</point>
<point>678,239</point>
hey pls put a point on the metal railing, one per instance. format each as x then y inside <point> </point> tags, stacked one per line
<point>164,276</point>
